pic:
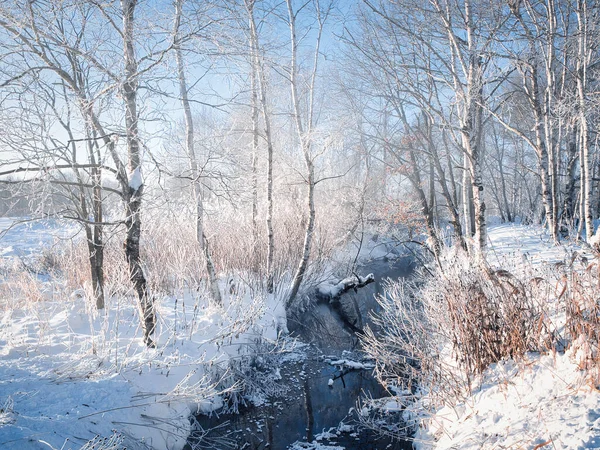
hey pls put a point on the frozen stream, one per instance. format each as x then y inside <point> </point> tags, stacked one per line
<point>307,408</point>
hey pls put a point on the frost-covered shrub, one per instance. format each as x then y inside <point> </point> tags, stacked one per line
<point>580,290</point>
<point>114,442</point>
<point>487,316</point>
<point>443,329</point>
<point>73,267</point>
<point>250,378</point>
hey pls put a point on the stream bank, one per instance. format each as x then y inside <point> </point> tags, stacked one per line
<point>317,395</point>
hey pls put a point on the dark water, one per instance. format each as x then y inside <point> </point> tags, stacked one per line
<point>308,408</point>
<point>306,404</point>
<point>323,325</point>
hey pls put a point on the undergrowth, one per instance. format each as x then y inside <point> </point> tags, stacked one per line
<point>444,328</point>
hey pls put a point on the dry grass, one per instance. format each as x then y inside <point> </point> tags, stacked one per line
<point>23,283</point>
<point>173,262</point>
<point>489,316</point>
<point>580,292</point>
<point>443,331</point>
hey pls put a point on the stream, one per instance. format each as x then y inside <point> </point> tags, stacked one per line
<point>316,400</point>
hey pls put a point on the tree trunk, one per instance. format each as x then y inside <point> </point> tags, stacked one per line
<point>195,173</point>
<point>586,175</point>
<point>255,135</point>
<point>308,235</point>
<point>443,182</point>
<point>570,184</point>
<point>96,258</point>
<point>467,196</point>
<point>93,228</point>
<point>261,79</point>
<point>500,159</point>
<point>98,211</point>
<point>96,245</point>
<point>472,131</point>
<point>305,138</point>
<point>542,153</point>
<point>549,128</point>
<point>133,196</point>
<point>581,202</point>
<point>269,221</point>
<point>426,208</point>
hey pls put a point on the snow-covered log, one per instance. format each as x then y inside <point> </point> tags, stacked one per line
<point>348,309</point>
<point>333,292</point>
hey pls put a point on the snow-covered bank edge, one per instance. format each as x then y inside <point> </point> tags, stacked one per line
<point>544,401</point>
<point>541,400</point>
<point>69,373</point>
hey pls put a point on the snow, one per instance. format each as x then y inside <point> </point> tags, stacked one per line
<point>21,237</point>
<point>135,178</point>
<point>329,289</point>
<point>352,365</point>
<point>328,435</point>
<point>545,401</point>
<point>313,446</point>
<point>393,406</point>
<point>512,245</point>
<point>70,374</point>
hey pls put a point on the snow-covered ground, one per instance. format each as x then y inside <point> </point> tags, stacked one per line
<point>68,372</point>
<point>21,237</point>
<point>544,401</point>
<point>71,375</point>
<point>528,244</point>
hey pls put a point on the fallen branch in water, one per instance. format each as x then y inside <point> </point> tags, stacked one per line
<point>333,292</point>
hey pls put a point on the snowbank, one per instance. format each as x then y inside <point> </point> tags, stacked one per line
<point>69,373</point>
<point>545,401</point>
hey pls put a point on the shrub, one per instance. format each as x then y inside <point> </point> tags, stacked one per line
<point>443,329</point>
<point>580,291</point>
<point>488,316</point>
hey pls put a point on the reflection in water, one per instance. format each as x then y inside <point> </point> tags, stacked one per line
<point>310,418</point>
<point>309,405</point>
<point>309,408</point>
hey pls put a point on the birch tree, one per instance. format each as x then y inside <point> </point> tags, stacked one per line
<point>195,173</point>
<point>260,97</point>
<point>586,47</point>
<point>305,121</point>
<point>535,56</point>
<point>35,28</point>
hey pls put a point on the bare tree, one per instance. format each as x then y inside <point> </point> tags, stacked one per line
<point>195,173</point>
<point>38,33</point>
<point>260,96</point>
<point>538,66</point>
<point>305,123</point>
<point>585,49</point>
<point>73,172</point>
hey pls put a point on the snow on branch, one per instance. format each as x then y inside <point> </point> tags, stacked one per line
<point>335,291</point>
<point>135,179</point>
